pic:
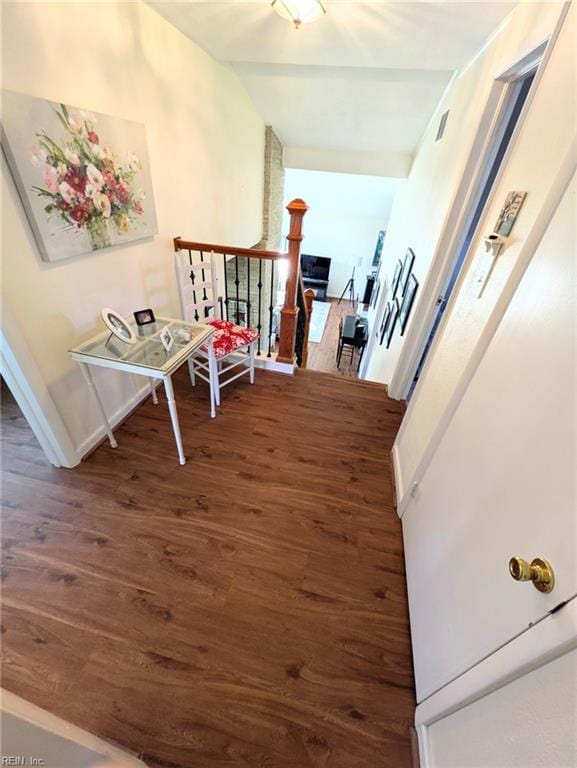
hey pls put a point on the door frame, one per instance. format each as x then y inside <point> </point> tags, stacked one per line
<point>548,639</point>
<point>458,216</point>
<point>31,394</point>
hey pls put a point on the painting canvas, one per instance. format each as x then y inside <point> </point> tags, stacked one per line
<point>83,177</point>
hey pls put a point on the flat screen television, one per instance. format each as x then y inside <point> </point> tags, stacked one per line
<point>315,267</point>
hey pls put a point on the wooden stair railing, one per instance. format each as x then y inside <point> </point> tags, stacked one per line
<point>305,304</point>
<point>240,309</point>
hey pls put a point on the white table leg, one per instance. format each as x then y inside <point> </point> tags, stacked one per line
<point>174,417</point>
<point>153,391</point>
<point>90,381</point>
<point>251,362</point>
<point>214,368</point>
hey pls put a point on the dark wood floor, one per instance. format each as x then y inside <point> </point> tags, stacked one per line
<point>323,354</point>
<point>247,609</point>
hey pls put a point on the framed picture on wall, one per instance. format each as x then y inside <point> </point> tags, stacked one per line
<point>396,278</point>
<point>407,267</point>
<point>385,322</point>
<point>392,322</point>
<point>83,177</point>
<point>378,248</point>
<point>376,292</point>
<point>408,299</point>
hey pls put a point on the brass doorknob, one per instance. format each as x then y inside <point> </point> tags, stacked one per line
<point>538,571</point>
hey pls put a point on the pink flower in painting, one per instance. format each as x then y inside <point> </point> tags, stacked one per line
<point>38,156</point>
<point>93,137</point>
<point>122,192</point>
<point>109,179</point>
<point>138,208</point>
<point>51,179</point>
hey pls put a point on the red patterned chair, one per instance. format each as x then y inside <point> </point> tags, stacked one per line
<point>232,345</point>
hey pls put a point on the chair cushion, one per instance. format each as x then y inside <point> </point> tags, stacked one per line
<point>227,337</point>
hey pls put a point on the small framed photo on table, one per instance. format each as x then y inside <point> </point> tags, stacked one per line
<point>144,317</point>
<point>166,339</point>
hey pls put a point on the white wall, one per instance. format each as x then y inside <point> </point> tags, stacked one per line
<point>539,155</point>
<point>420,211</point>
<point>206,148</point>
<point>345,215</point>
<point>530,723</point>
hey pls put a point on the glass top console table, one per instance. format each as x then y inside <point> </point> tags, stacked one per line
<point>147,357</point>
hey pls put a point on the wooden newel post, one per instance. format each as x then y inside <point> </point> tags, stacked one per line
<point>288,314</point>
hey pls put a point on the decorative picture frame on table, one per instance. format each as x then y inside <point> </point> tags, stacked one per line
<point>118,326</point>
<point>396,278</point>
<point>408,299</point>
<point>407,269</point>
<point>385,322</point>
<point>392,322</point>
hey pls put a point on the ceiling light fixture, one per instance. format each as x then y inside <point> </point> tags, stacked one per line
<point>299,11</point>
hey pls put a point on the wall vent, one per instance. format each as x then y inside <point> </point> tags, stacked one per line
<point>442,124</point>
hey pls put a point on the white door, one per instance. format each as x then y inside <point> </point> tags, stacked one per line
<point>503,480</point>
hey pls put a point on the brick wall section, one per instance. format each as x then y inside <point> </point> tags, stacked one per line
<point>273,197</point>
<point>272,239</point>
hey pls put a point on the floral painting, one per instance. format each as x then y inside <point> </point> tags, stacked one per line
<point>83,177</point>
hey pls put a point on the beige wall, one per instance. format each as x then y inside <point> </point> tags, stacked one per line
<point>206,147</point>
<point>420,214</point>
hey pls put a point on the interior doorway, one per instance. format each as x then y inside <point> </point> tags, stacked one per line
<point>515,97</point>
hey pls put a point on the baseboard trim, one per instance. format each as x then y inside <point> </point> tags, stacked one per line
<point>397,478</point>
<point>272,364</point>
<point>121,414</point>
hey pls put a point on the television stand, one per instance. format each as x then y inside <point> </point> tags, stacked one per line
<point>318,286</point>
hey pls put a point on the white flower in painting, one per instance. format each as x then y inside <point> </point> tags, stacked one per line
<point>102,204</point>
<point>94,176</point>
<point>98,151</point>
<point>134,162</point>
<point>71,156</point>
<point>68,194</point>
<point>38,156</point>
<point>75,122</point>
<point>141,194</point>
<point>90,117</point>
<point>91,191</point>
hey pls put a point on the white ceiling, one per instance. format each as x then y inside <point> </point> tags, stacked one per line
<point>360,83</point>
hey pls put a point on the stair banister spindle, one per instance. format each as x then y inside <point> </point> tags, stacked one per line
<point>259,321</point>
<point>225,287</point>
<point>270,310</point>
<point>286,352</point>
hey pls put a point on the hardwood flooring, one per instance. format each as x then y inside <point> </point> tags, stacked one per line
<point>247,609</point>
<point>323,355</point>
